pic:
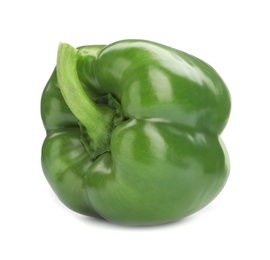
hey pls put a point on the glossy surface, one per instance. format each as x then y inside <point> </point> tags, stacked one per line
<point>166,159</point>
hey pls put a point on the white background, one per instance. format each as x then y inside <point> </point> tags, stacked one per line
<point>232,36</point>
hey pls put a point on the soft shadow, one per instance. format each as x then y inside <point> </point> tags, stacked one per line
<point>105,223</point>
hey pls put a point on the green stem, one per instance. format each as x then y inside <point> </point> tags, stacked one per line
<point>96,119</point>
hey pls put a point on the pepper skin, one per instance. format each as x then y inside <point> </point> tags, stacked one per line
<point>133,132</point>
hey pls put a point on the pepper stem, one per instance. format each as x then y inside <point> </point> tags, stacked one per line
<point>97,119</point>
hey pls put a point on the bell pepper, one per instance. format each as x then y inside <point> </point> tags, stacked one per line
<point>133,132</point>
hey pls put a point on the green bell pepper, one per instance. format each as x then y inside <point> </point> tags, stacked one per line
<point>133,132</point>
